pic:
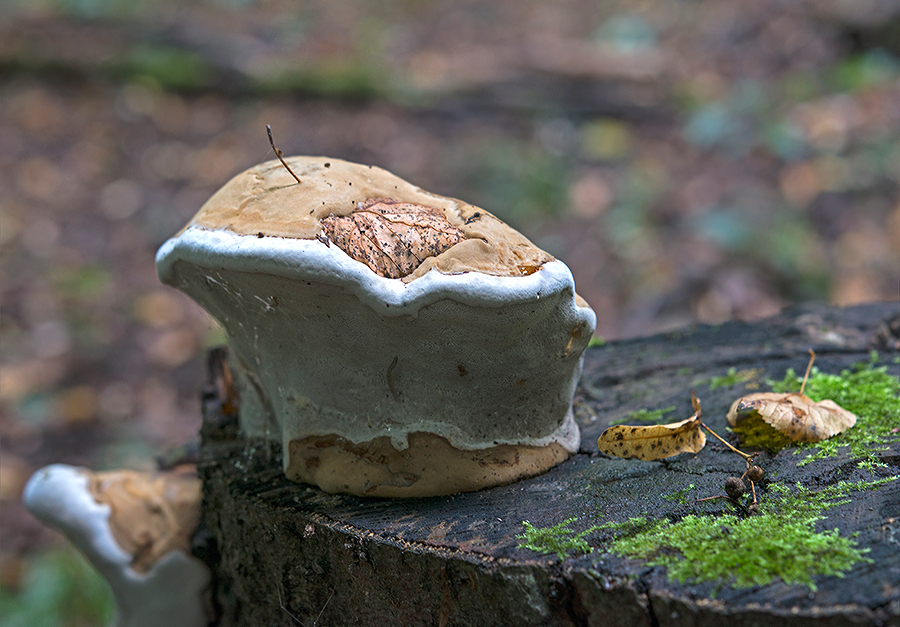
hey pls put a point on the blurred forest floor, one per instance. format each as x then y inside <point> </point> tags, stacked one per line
<point>691,162</point>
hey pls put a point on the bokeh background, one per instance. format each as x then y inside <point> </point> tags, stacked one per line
<point>692,162</point>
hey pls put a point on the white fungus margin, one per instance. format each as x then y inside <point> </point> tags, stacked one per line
<point>170,593</point>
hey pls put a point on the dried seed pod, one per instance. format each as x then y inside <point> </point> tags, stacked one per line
<point>755,474</point>
<point>734,487</point>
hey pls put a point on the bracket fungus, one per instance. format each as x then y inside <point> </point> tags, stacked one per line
<point>398,343</point>
<point>135,529</point>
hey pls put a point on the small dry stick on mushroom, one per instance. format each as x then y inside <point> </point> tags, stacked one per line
<point>280,154</point>
<point>777,420</point>
<point>735,488</point>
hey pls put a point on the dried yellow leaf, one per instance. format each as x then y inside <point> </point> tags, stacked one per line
<point>796,416</point>
<point>654,441</point>
<point>391,237</point>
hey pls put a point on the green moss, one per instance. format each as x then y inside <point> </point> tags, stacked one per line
<point>778,543</point>
<point>336,78</point>
<point>734,377</point>
<point>557,539</point>
<point>630,527</point>
<point>644,415</point>
<point>680,496</point>
<point>866,390</point>
<point>596,340</point>
<point>57,588</point>
<point>168,66</point>
<point>754,432</point>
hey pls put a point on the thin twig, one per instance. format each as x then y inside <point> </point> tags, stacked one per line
<point>322,611</point>
<point>728,498</point>
<point>695,403</point>
<point>280,154</point>
<point>315,622</point>
<point>747,457</point>
<point>281,603</point>
<point>812,358</point>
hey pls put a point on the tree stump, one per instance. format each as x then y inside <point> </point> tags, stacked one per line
<point>289,554</point>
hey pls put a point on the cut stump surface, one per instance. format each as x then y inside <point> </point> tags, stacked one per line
<point>281,552</point>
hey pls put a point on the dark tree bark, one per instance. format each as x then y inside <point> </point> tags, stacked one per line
<point>282,552</point>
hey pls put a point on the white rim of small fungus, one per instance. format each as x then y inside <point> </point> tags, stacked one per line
<point>170,593</point>
<point>60,497</point>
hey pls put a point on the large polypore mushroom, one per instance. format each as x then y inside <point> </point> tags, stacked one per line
<point>397,342</point>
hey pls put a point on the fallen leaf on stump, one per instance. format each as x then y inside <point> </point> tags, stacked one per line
<point>777,420</point>
<point>794,415</point>
<point>392,237</point>
<point>654,441</point>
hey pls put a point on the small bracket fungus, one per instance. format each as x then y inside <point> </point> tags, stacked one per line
<point>135,529</point>
<point>398,343</point>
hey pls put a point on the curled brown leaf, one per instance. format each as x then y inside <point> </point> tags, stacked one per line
<point>796,416</point>
<point>793,416</point>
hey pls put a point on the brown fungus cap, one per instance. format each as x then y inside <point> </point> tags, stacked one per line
<point>266,201</point>
<point>429,466</point>
<point>151,513</point>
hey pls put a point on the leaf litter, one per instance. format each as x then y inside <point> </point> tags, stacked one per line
<point>794,416</point>
<point>654,442</point>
